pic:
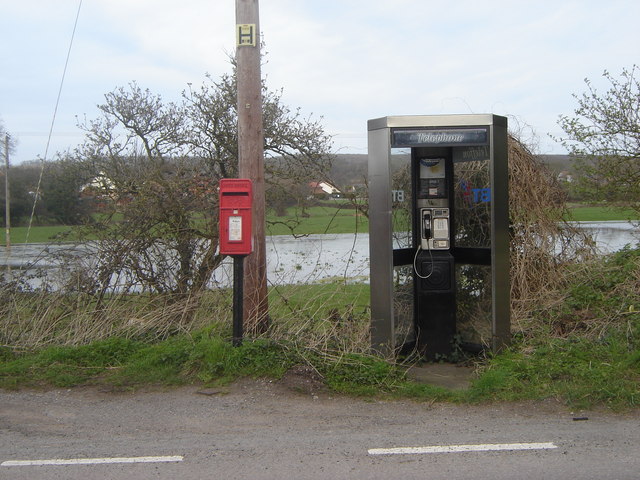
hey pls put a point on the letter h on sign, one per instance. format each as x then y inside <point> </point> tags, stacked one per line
<point>246,35</point>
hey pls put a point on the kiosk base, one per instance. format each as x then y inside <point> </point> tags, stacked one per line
<point>435,316</point>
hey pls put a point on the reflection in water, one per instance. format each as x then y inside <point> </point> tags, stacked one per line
<point>612,236</point>
<point>315,258</point>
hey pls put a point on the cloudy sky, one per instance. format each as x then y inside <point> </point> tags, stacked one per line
<point>345,60</point>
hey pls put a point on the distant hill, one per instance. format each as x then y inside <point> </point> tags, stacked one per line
<point>351,169</point>
<point>558,163</point>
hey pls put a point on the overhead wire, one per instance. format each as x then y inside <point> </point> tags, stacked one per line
<point>53,121</point>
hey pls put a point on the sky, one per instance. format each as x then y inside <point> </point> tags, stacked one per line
<point>346,61</point>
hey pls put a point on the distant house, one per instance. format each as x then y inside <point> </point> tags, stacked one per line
<point>323,188</point>
<point>565,176</point>
<point>357,189</point>
<point>100,185</point>
<point>102,190</point>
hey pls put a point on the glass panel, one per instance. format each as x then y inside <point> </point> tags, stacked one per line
<point>402,238</point>
<point>473,298</point>
<point>472,183</point>
<point>403,304</point>
<point>401,197</point>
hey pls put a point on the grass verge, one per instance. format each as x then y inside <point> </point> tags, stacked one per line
<point>579,372</point>
<point>201,359</point>
<point>584,351</point>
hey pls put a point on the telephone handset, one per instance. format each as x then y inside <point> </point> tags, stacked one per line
<point>434,226</point>
<point>426,223</point>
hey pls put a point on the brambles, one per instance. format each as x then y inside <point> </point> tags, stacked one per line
<point>543,244</point>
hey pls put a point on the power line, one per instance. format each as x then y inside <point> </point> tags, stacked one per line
<point>64,73</point>
<point>53,121</point>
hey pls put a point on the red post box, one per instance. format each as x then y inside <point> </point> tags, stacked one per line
<point>236,200</point>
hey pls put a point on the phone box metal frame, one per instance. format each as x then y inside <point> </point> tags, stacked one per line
<point>456,138</point>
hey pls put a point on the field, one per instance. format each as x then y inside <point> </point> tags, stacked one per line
<point>318,220</point>
<point>601,214</point>
<point>314,220</point>
<point>38,234</point>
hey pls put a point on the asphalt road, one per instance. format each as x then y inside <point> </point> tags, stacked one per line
<point>264,430</point>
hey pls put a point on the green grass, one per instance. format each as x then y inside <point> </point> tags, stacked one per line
<point>39,234</point>
<point>317,220</point>
<point>176,361</point>
<point>200,359</point>
<point>64,366</point>
<point>600,214</point>
<point>597,363</point>
<point>320,299</point>
<point>586,351</point>
<point>580,372</point>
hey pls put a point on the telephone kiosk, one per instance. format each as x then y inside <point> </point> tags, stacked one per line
<point>434,255</point>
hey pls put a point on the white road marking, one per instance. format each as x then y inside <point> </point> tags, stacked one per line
<point>487,447</point>
<point>90,461</point>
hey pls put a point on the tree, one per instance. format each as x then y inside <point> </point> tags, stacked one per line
<point>604,137</point>
<point>60,201</point>
<point>57,192</point>
<point>23,180</point>
<point>158,230</point>
<point>296,147</point>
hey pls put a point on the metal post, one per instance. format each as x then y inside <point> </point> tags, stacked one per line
<point>251,157</point>
<point>238,279</point>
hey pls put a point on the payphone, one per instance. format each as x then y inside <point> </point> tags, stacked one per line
<point>433,264</point>
<point>432,192</point>
<point>449,272</point>
<point>434,229</point>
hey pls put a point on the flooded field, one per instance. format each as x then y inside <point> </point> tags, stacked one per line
<point>310,259</point>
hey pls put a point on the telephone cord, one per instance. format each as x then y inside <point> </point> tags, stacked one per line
<point>415,260</point>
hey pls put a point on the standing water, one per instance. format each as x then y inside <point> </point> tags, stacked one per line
<point>310,259</point>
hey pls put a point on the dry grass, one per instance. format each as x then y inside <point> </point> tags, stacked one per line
<point>323,317</point>
<point>37,319</point>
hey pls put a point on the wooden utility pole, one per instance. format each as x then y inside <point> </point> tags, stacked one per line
<point>7,195</point>
<point>251,158</point>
